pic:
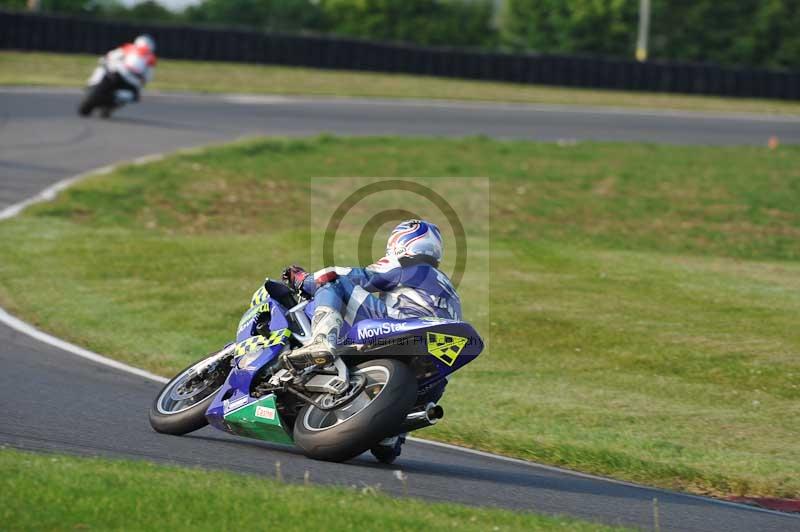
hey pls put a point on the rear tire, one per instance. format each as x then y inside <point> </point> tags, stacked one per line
<point>363,429</point>
<point>189,418</point>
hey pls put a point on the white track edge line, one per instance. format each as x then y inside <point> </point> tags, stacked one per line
<point>25,328</point>
<point>18,325</point>
<point>50,192</point>
<point>589,476</point>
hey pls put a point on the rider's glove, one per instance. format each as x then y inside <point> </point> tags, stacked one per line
<point>294,276</point>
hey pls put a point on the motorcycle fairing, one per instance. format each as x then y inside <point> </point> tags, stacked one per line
<point>448,344</point>
<point>249,349</point>
<point>247,324</point>
<point>439,347</point>
<point>233,409</point>
<point>258,419</point>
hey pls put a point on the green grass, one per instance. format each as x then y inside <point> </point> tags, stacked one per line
<point>27,68</point>
<point>643,299</point>
<point>54,492</point>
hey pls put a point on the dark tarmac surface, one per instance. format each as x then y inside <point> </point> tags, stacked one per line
<point>55,401</point>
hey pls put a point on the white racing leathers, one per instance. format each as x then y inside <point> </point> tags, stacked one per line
<point>133,69</point>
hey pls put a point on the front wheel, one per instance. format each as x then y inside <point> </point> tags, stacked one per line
<point>91,100</point>
<point>181,405</point>
<point>98,95</point>
<point>338,435</point>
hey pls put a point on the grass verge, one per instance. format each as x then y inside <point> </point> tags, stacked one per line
<point>643,299</point>
<point>29,68</point>
<point>54,492</point>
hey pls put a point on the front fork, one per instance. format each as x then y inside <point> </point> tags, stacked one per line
<point>97,76</point>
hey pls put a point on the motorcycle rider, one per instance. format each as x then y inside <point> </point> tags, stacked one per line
<point>407,281</point>
<point>133,63</point>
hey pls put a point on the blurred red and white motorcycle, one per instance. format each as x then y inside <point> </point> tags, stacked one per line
<point>119,77</point>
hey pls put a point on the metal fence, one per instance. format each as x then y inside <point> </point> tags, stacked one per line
<point>23,31</point>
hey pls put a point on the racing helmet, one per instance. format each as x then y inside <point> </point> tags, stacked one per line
<point>145,41</point>
<point>416,239</point>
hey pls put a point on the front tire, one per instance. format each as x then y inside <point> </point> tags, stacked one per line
<point>97,95</point>
<point>180,407</point>
<point>342,434</point>
<point>91,100</point>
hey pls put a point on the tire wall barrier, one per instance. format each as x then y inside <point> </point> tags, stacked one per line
<point>53,33</point>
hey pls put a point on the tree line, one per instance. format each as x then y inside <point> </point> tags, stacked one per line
<point>763,33</point>
<point>745,32</point>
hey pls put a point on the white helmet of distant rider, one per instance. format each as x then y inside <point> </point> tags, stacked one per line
<point>146,42</point>
<point>416,239</point>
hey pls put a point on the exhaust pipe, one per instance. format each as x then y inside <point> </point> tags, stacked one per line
<point>425,418</point>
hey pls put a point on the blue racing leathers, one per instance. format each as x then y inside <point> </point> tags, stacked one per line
<point>385,289</point>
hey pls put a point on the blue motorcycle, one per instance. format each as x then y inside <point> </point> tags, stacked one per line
<point>386,382</point>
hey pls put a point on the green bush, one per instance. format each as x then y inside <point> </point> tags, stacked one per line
<point>142,12</point>
<point>746,32</point>
<point>569,27</point>
<point>276,15</point>
<point>431,22</point>
<point>761,33</point>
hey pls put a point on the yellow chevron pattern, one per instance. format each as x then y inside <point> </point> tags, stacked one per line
<point>255,343</point>
<point>260,296</point>
<point>445,347</point>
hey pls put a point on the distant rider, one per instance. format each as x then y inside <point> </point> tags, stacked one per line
<point>133,63</point>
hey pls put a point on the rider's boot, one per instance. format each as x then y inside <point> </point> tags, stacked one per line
<point>388,449</point>
<point>325,326</point>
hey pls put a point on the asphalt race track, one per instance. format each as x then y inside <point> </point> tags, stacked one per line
<point>55,401</point>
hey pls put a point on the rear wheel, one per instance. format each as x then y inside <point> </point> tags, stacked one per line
<point>337,435</point>
<point>181,405</point>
